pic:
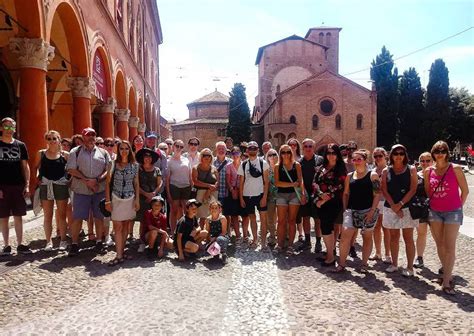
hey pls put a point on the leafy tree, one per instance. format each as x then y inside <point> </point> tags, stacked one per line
<point>461,118</point>
<point>411,112</point>
<point>385,78</point>
<point>437,103</point>
<point>238,127</point>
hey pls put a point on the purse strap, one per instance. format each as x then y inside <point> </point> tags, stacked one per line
<point>291,180</point>
<point>440,181</point>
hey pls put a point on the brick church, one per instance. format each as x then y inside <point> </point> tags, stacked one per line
<point>301,93</point>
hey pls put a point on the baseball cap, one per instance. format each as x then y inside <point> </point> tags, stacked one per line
<point>151,135</point>
<point>88,131</point>
<point>252,144</point>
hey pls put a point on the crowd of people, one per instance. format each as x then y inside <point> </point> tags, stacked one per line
<point>189,200</point>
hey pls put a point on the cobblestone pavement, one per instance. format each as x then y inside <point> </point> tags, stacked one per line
<point>255,293</point>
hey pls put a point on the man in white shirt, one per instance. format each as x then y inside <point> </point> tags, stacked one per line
<point>254,184</point>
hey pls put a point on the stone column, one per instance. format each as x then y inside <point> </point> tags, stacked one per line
<point>123,115</point>
<point>106,118</point>
<point>133,125</point>
<point>141,129</point>
<point>81,88</point>
<point>34,56</point>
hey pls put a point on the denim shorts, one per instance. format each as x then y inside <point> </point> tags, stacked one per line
<point>287,199</point>
<point>83,204</point>
<point>446,217</point>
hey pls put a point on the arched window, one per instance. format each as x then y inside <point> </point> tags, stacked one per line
<point>338,122</point>
<point>328,39</point>
<point>359,121</point>
<point>315,121</point>
<point>321,38</point>
<point>292,119</point>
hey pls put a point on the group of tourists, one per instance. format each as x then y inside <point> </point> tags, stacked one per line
<point>190,200</point>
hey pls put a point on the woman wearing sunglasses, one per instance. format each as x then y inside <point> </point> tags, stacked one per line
<point>328,186</point>
<point>399,181</point>
<point>360,199</point>
<point>178,182</point>
<point>272,158</point>
<point>380,162</point>
<point>425,161</point>
<point>137,143</point>
<point>205,179</point>
<point>446,185</point>
<point>51,167</point>
<point>232,202</point>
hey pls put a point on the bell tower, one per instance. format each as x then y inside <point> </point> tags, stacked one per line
<point>329,37</point>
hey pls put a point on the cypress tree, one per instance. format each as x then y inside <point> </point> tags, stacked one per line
<point>238,127</point>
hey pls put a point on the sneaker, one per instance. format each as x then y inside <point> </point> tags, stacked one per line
<point>301,238</point>
<point>49,247</point>
<point>108,241</point>
<point>63,245</point>
<point>419,263</point>
<point>82,234</point>
<point>7,250</point>
<point>352,252</point>
<point>73,250</point>
<point>224,258</point>
<point>407,273</point>
<point>306,245</point>
<point>141,248</point>
<point>391,269</point>
<point>23,249</point>
<point>318,248</point>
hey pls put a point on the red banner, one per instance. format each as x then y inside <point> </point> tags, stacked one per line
<point>99,76</point>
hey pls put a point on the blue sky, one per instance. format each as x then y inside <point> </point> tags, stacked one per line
<point>211,44</point>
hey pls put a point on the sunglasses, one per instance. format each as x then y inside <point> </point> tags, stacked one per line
<point>399,154</point>
<point>293,145</point>
<point>252,148</point>
<point>9,128</point>
<point>308,146</point>
<point>378,156</point>
<point>99,143</point>
<point>193,144</point>
<point>272,155</point>
<point>169,143</point>
<point>425,161</point>
<point>179,146</point>
<point>285,152</point>
<point>206,155</point>
<point>110,145</point>
<point>440,151</point>
<point>357,160</point>
<point>330,153</point>
<point>52,139</point>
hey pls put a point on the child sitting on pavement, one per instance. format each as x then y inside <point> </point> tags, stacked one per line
<point>216,225</point>
<point>155,226</point>
<point>189,235</point>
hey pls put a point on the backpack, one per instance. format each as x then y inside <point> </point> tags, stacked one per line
<point>244,164</point>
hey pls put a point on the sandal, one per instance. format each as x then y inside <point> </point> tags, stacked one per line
<point>449,290</point>
<point>375,257</point>
<point>290,251</point>
<point>91,236</point>
<point>278,250</point>
<point>115,262</point>
<point>339,269</point>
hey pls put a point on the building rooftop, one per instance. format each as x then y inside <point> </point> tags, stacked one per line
<point>213,97</point>
<point>201,121</point>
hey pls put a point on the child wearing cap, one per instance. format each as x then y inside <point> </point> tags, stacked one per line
<point>155,227</point>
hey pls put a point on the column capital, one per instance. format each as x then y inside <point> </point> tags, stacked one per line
<point>32,52</point>
<point>133,122</point>
<point>141,127</point>
<point>81,86</point>
<point>109,106</point>
<point>122,114</point>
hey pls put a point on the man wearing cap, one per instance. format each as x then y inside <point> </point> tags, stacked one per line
<point>254,184</point>
<point>88,165</point>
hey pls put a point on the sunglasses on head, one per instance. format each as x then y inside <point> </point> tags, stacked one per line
<point>440,151</point>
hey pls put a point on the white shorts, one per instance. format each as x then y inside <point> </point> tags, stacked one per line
<point>392,221</point>
<point>123,209</point>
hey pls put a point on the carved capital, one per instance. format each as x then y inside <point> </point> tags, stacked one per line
<point>81,86</point>
<point>109,106</point>
<point>133,122</point>
<point>141,127</point>
<point>32,53</point>
<point>122,114</point>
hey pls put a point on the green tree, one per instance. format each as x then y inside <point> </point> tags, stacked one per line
<point>385,78</point>
<point>437,103</point>
<point>411,112</point>
<point>461,117</point>
<point>238,127</point>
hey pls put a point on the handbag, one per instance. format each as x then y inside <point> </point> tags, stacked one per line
<point>359,218</point>
<point>297,189</point>
<point>419,206</point>
<point>102,208</point>
<point>214,249</point>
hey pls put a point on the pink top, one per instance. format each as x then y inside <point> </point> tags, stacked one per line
<point>447,197</point>
<point>232,176</point>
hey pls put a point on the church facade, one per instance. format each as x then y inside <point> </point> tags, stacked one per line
<point>301,93</point>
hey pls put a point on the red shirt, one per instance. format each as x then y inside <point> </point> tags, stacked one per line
<point>158,222</point>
